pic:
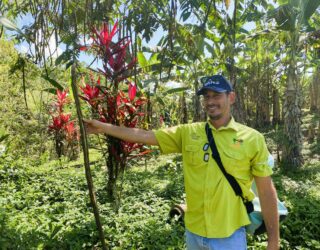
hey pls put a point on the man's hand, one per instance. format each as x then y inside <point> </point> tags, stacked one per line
<point>93,126</point>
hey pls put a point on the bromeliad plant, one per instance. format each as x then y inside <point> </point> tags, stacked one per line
<point>65,133</point>
<point>109,101</point>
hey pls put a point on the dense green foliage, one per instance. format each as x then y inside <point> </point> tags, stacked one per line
<point>47,207</point>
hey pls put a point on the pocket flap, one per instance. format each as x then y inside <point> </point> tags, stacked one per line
<point>191,148</point>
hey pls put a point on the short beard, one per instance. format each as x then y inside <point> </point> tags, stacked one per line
<point>215,117</point>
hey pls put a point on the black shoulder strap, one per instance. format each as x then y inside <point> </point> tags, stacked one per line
<point>232,181</point>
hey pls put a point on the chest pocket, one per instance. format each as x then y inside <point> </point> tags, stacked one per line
<point>194,155</point>
<point>236,164</point>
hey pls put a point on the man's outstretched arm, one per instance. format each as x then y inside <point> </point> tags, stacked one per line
<point>126,134</point>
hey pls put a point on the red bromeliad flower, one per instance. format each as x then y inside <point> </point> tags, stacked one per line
<point>91,94</point>
<point>71,132</point>
<point>112,54</point>
<point>132,91</point>
<point>64,131</point>
<point>103,37</point>
<point>58,122</point>
<point>62,99</point>
<point>65,118</point>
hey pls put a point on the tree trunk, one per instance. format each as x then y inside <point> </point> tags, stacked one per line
<point>292,156</point>
<point>239,110</point>
<point>184,109</point>
<point>276,107</point>
<point>149,111</point>
<point>199,114</point>
<point>315,92</point>
<point>115,168</point>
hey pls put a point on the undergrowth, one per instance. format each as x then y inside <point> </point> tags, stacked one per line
<point>48,207</point>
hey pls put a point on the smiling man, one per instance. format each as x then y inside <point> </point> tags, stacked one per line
<point>215,216</point>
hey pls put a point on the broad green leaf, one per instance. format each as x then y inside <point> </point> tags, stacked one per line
<point>175,90</point>
<point>52,82</point>
<point>160,100</point>
<point>309,8</point>
<point>285,17</point>
<point>69,64</point>
<point>185,15</point>
<point>242,30</point>
<point>142,59</point>
<point>50,90</point>
<point>64,57</point>
<point>9,25</point>
<point>154,59</point>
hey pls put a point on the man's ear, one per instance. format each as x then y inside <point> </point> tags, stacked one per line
<point>232,97</point>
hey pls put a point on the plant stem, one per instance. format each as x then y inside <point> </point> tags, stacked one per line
<point>84,145</point>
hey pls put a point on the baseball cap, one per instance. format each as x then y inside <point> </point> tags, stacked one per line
<point>216,83</point>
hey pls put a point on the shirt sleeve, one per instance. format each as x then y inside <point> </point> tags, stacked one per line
<point>169,139</point>
<point>259,163</point>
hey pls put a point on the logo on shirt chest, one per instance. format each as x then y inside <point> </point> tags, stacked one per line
<point>194,136</point>
<point>237,143</point>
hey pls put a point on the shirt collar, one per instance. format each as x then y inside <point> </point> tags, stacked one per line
<point>232,124</point>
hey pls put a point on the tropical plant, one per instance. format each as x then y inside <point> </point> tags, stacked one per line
<point>108,101</point>
<point>292,18</point>
<point>64,131</point>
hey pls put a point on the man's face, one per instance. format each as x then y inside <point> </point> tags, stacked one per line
<point>217,105</point>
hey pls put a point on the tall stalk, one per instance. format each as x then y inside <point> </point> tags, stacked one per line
<point>84,144</point>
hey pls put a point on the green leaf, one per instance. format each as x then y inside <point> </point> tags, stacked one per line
<point>154,59</point>
<point>309,8</point>
<point>50,90</point>
<point>242,30</point>
<point>285,16</point>
<point>69,64</point>
<point>52,82</point>
<point>175,90</point>
<point>142,59</point>
<point>9,25</point>
<point>185,15</point>
<point>3,137</point>
<point>160,100</point>
<point>64,57</point>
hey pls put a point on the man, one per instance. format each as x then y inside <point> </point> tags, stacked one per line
<point>215,216</point>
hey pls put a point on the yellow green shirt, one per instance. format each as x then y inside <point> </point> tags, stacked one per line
<point>213,209</point>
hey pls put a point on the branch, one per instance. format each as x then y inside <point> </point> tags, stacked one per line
<point>84,144</point>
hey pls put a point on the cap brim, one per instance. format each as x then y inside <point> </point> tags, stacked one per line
<point>215,89</point>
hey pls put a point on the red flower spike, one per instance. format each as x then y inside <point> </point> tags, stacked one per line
<point>65,118</point>
<point>61,99</point>
<point>132,91</point>
<point>91,94</point>
<point>71,132</point>
<point>56,124</point>
<point>104,38</point>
